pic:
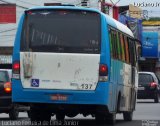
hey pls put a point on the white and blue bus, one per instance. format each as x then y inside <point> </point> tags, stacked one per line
<point>70,60</point>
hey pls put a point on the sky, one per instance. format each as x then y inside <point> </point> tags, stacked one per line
<point>7,38</point>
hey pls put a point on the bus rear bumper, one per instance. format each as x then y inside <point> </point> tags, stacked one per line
<point>100,96</point>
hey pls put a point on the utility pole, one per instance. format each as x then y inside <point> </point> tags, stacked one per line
<point>103,6</point>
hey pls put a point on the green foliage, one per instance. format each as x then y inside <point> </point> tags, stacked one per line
<point>153,19</point>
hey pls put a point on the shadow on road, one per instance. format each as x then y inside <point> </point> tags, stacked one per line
<point>8,119</point>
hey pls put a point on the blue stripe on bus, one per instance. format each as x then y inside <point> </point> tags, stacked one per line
<point>99,96</point>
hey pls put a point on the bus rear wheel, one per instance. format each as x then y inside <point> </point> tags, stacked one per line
<point>100,118</point>
<point>13,114</point>
<point>39,115</point>
<point>156,100</point>
<point>128,116</point>
<point>107,119</point>
<point>60,116</point>
<point>111,119</point>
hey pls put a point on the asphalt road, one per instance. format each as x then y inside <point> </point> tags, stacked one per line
<point>147,114</point>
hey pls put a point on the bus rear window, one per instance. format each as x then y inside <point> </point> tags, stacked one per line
<point>63,31</point>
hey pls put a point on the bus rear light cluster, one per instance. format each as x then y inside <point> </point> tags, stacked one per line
<point>103,72</point>
<point>16,70</point>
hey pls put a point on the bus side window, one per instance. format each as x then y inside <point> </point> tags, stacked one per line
<point>111,43</point>
<point>135,50</point>
<point>118,46</point>
<point>132,58</point>
<point>127,56</point>
<point>122,47</point>
<point>132,49</point>
<point>114,45</point>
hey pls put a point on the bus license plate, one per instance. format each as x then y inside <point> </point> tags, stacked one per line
<point>59,97</point>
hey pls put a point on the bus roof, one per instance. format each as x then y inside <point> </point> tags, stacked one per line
<point>64,7</point>
<point>112,22</point>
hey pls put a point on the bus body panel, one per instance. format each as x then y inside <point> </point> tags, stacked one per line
<point>59,70</point>
<point>98,97</point>
<point>121,83</point>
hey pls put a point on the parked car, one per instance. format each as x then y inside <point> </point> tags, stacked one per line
<point>148,86</point>
<point>6,105</point>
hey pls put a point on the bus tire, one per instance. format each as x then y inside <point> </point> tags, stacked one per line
<point>111,119</point>
<point>118,103</point>
<point>60,116</point>
<point>29,114</point>
<point>128,116</point>
<point>156,100</point>
<point>13,113</point>
<point>39,115</point>
<point>100,118</point>
<point>135,100</point>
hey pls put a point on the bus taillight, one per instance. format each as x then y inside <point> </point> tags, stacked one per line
<point>103,72</point>
<point>16,70</point>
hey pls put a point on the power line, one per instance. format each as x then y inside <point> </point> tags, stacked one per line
<point>28,2</point>
<point>7,39</point>
<point>7,35</point>
<point>13,3</point>
<point>8,30</point>
<point>1,2</point>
